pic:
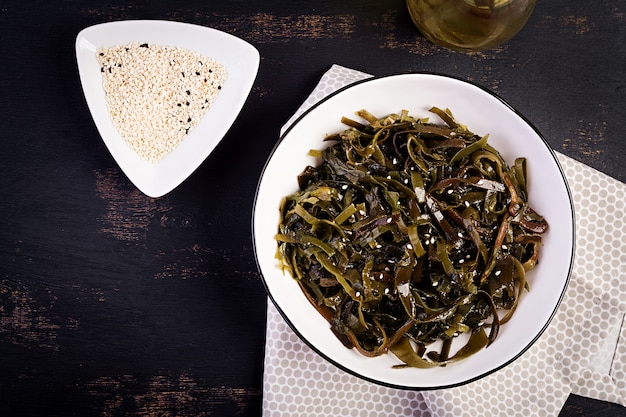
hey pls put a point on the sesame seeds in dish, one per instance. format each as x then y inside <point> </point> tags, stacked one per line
<point>157,94</point>
<point>191,141</point>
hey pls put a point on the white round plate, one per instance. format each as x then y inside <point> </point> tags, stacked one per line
<point>482,112</point>
<point>240,59</point>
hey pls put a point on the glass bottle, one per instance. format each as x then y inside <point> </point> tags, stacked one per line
<point>469,25</point>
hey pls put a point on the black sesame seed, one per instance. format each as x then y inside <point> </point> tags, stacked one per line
<point>189,119</point>
<point>188,92</point>
<point>144,45</point>
<point>101,69</point>
<point>219,87</point>
<point>187,103</point>
<point>183,74</point>
<point>197,72</point>
<point>210,70</point>
<point>101,53</point>
<point>179,105</point>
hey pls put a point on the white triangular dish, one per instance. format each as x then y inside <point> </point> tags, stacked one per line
<point>240,59</point>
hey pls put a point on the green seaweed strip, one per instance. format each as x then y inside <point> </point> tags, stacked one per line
<point>409,233</point>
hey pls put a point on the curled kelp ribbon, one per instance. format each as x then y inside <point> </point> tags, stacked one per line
<point>409,233</point>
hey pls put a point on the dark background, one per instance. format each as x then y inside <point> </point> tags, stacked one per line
<point>113,303</point>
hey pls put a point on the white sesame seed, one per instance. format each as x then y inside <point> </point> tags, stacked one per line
<point>157,94</point>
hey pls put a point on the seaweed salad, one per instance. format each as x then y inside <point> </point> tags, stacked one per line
<point>409,233</point>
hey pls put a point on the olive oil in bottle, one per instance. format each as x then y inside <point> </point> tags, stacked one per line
<point>469,25</point>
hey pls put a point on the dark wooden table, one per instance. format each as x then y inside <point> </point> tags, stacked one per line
<point>113,303</point>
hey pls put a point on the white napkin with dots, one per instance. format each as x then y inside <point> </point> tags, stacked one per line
<point>583,350</point>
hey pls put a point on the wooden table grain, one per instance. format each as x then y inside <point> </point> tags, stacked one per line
<point>113,303</point>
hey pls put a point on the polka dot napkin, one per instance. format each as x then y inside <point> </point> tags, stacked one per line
<point>583,351</point>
